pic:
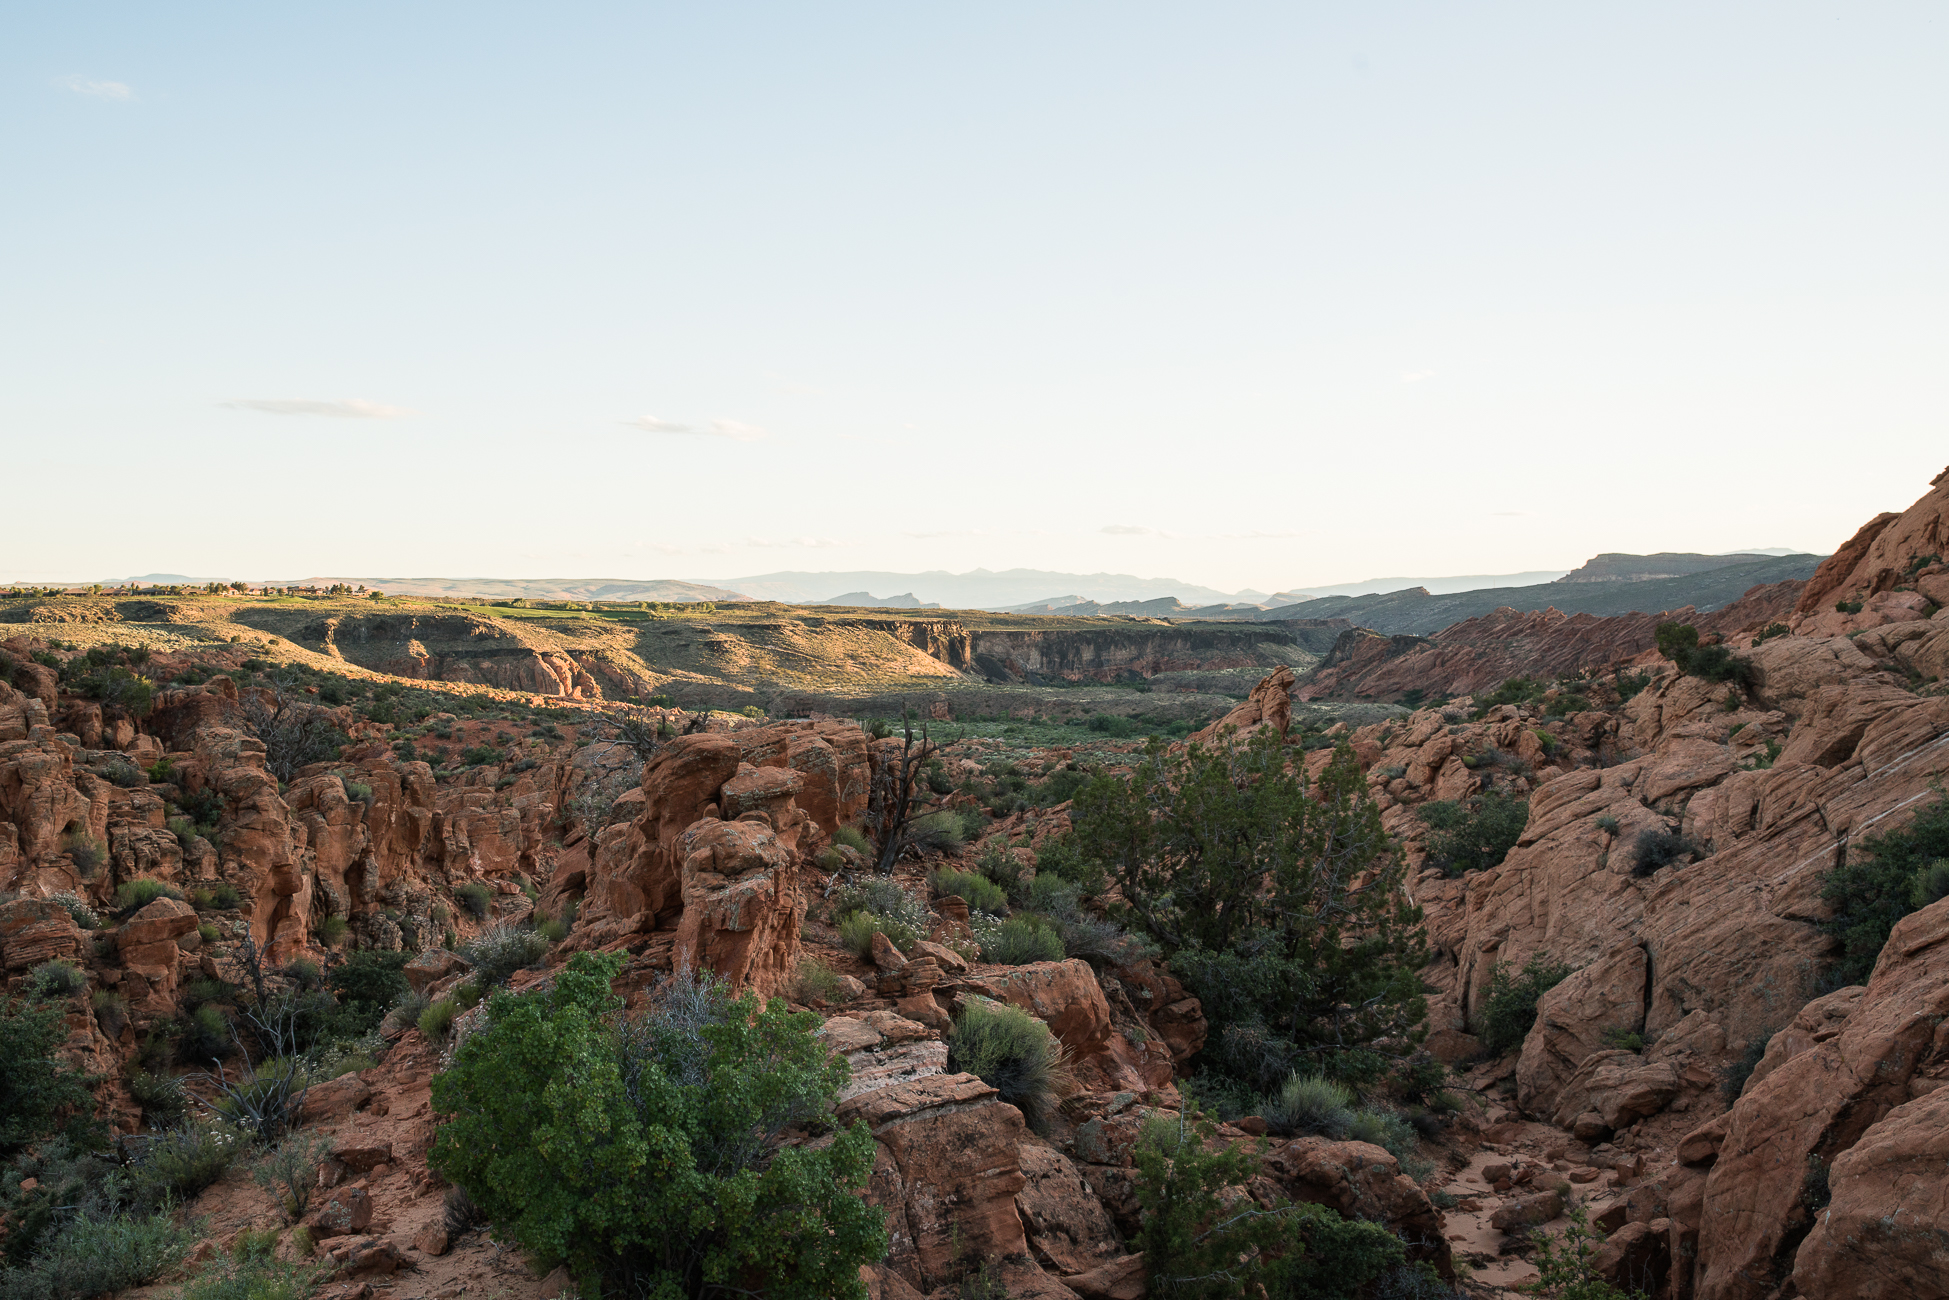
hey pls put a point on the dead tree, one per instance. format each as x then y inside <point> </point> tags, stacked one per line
<point>890,803</point>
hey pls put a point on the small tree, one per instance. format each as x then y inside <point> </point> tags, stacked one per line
<point>1201,1243</point>
<point>294,733</point>
<point>1279,901</point>
<point>890,803</point>
<point>646,1154</point>
<point>35,1088</point>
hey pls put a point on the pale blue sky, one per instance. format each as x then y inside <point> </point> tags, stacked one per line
<point>1248,295</point>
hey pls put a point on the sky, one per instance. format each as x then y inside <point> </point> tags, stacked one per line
<point>1250,295</point>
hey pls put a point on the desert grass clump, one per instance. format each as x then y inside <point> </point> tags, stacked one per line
<point>437,1019</point>
<point>852,837</point>
<point>56,979</point>
<point>180,1162</point>
<point>814,981</point>
<point>473,898</point>
<point>941,831</point>
<point>498,953</point>
<point>1020,941</point>
<point>136,894</point>
<point>1394,1134</point>
<point>1012,1052</point>
<point>405,1011</point>
<point>981,893</point>
<point>1310,1103</point>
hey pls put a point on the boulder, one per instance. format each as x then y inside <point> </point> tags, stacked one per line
<point>947,1175</point>
<point>432,966</point>
<point>162,920</point>
<point>1572,1020</point>
<point>1068,1229</point>
<point>34,930</point>
<point>1884,1235</point>
<point>1618,1086</point>
<point>1527,1211</point>
<point>1818,1104</point>
<point>742,907</point>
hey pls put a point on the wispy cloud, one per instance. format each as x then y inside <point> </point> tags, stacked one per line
<point>99,89</point>
<point>347,410</point>
<point>1416,376</point>
<point>650,424</point>
<point>1250,535</point>
<point>794,543</point>
<point>734,430</point>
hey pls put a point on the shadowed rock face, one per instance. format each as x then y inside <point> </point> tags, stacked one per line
<point>1479,654</point>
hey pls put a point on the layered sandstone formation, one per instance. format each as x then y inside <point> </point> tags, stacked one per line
<point>1478,654</point>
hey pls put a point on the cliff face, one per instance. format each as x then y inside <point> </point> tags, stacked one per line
<point>1479,654</point>
<point>1117,652</point>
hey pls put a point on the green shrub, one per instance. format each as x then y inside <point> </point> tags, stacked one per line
<point>437,1019</point>
<point>1732,1079</point>
<point>289,1171</point>
<point>473,898</point>
<point>1474,834</point>
<point>852,837</point>
<point>1929,884</point>
<point>56,979</point>
<point>1660,848</point>
<point>1620,1039</point>
<point>252,1272</point>
<point>814,981</point>
<point>1679,642</point>
<point>1514,690</point>
<point>1510,1009</point>
<point>980,893</point>
<point>161,1097</point>
<point>405,1010</point>
<point>94,1255</point>
<point>1064,859</point>
<point>1197,1248</point>
<point>1012,1052</point>
<point>1566,1263</point>
<point>367,985</point>
<point>35,1087</point>
<point>497,953</point>
<point>135,894</point>
<point>86,852</point>
<point>1275,896</point>
<point>332,929</point>
<point>1628,685</point>
<point>554,929</point>
<point>1309,1103</point>
<point>208,933</point>
<point>205,1036</point>
<point>1877,884</point>
<point>1607,823</point>
<point>77,907</point>
<point>180,1162</point>
<point>1019,941</point>
<point>942,831</point>
<point>1393,1134</point>
<point>1770,631</point>
<point>660,1171</point>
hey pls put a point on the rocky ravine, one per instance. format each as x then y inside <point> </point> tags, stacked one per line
<point>711,864</point>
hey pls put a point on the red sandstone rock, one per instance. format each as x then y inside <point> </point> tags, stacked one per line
<point>34,930</point>
<point>742,906</point>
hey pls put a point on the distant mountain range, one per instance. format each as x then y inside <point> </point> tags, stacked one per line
<point>1611,583</point>
<point>977,589</point>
